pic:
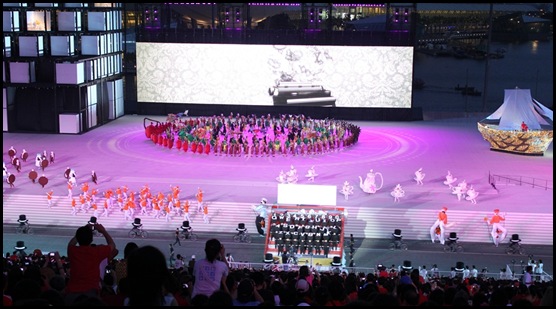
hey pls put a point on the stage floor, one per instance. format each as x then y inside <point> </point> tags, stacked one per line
<point>120,154</point>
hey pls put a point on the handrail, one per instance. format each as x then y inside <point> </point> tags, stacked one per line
<point>151,120</point>
<point>520,180</point>
<point>367,270</point>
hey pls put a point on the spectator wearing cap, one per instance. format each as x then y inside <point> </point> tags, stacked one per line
<point>304,292</point>
<point>191,264</point>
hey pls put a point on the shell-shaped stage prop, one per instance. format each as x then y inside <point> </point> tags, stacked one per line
<point>521,125</point>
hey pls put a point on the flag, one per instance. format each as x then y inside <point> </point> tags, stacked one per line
<point>509,273</point>
<point>276,268</point>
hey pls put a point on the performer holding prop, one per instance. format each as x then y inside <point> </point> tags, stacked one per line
<point>498,231</point>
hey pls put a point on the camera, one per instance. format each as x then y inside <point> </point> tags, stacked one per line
<point>52,254</point>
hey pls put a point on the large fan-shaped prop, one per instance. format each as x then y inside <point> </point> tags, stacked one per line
<point>11,153</point>
<point>33,175</point>
<point>43,181</point>
<point>24,156</point>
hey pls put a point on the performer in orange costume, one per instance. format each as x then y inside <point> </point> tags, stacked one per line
<point>186,211</point>
<point>70,189</point>
<point>73,208</point>
<point>497,226</point>
<point>199,197</point>
<point>85,188</point>
<point>441,222</point>
<point>49,198</point>
<point>205,214</point>
<point>105,212</point>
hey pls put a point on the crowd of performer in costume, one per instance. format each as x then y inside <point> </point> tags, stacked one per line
<point>130,204</point>
<point>250,135</point>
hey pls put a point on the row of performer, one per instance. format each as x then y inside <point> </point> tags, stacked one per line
<point>370,185</point>
<point>496,222</point>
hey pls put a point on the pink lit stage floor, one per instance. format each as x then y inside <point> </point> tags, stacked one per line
<point>121,154</point>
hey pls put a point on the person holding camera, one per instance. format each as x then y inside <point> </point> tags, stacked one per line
<point>55,262</point>
<point>86,259</point>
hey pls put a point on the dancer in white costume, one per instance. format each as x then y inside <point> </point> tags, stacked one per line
<point>463,185</point>
<point>419,176</point>
<point>460,190</point>
<point>347,190</point>
<point>38,160</point>
<point>397,193</point>
<point>291,175</point>
<point>472,195</point>
<point>311,174</point>
<point>450,180</point>
<point>282,177</point>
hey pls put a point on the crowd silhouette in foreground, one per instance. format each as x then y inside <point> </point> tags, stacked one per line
<point>91,275</point>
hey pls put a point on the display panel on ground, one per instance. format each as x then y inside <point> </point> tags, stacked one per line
<point>307,194</point>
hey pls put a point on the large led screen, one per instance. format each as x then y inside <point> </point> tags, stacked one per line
<point>341,76</point>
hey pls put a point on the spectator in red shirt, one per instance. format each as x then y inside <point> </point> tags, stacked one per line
<point>85,258</point>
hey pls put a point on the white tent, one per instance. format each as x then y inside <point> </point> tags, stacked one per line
<point>519,107</point>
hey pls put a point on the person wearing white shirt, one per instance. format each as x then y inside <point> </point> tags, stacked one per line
<point>539,271</point>
<point>466,272</point>
<point>474,272</point>
<point>423,272</point>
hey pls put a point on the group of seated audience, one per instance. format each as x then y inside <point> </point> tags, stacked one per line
<point>143,277</point>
